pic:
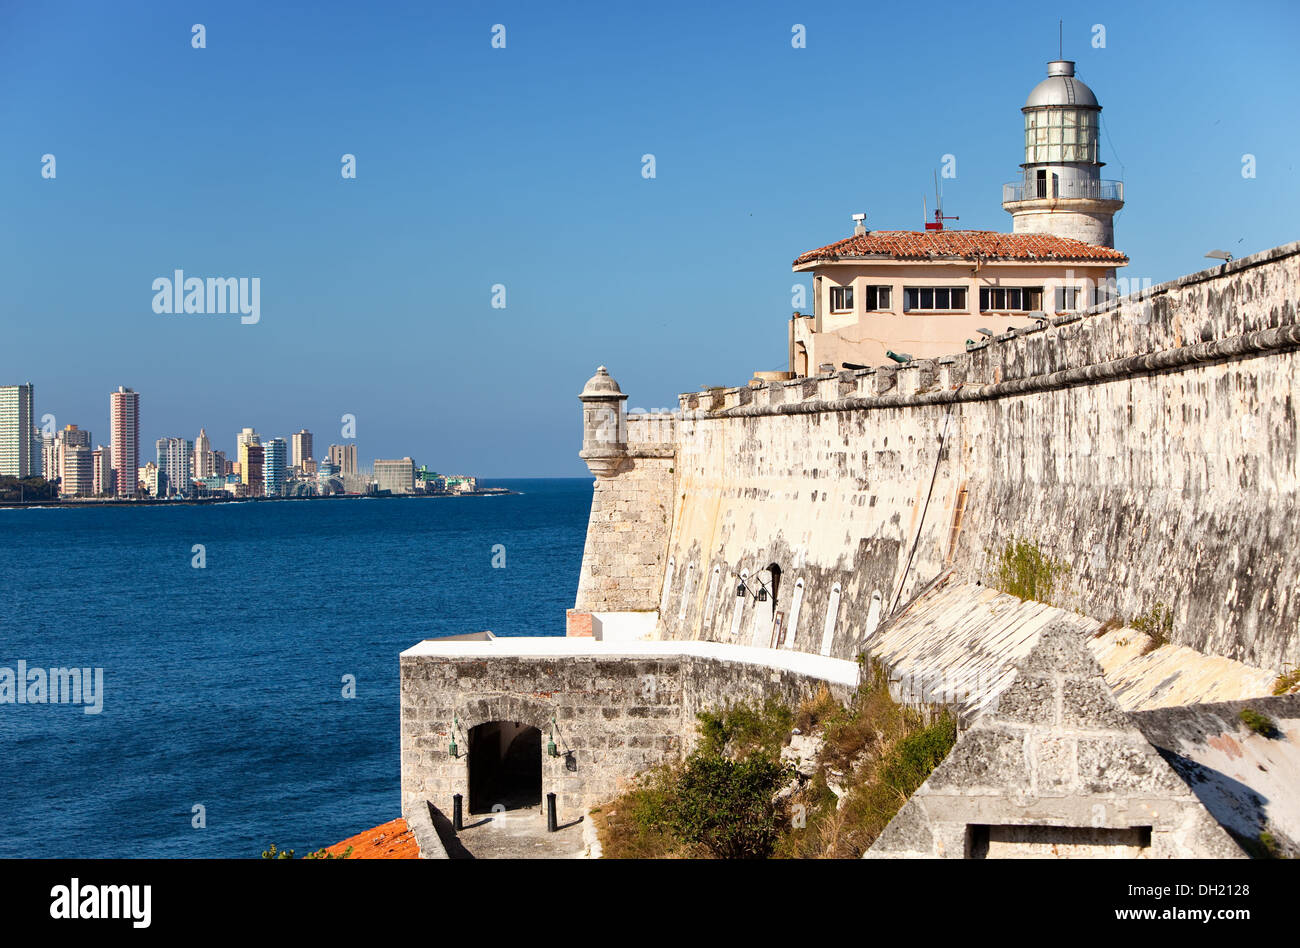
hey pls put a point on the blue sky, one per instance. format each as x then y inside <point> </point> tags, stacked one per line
<point>522,166</point>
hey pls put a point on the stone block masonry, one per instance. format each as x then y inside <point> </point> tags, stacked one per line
<point>627,533</point>
<point>619,708</point>
<point>1054,769</point>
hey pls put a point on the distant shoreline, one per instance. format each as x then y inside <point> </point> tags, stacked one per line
<point>211,501</point>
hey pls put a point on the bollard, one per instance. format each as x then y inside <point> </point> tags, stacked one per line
<point>550,813</point>
<point>457,817</point>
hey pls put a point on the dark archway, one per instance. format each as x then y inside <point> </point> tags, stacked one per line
<point>505,766</point>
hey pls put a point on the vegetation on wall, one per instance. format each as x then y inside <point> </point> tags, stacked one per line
<point>1287,682</point>
<point>876,754</point>
<point>1261,724</point>
<point>1025,571</point>
<point>1157,624</point>
<point>739,796</point>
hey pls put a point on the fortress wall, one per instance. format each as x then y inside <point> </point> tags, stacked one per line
<point>627,533</point>
<point>1151,446</point>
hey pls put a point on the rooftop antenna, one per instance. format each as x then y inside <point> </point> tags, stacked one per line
<point>1060,39</point>
<point>937,224</point>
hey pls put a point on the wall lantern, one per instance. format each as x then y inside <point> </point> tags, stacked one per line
<point>760,596</point>
<point>453,751</point>
<point>550,745</point>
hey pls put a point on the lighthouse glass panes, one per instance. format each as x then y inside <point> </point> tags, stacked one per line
<point>1056,135</point>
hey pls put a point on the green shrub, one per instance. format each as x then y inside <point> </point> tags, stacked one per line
<point>1287,681</point>
<point>274,853</point>
<point>324,853</point>
<point>637,824</point>
<point>743,728</point>
<point>726,805</point>
<point>1025,571</point>
<point>915,756</point>
<point>1259,723</point>
<point>1158,624</point>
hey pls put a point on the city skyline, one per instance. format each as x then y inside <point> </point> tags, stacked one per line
<point>265,465</point>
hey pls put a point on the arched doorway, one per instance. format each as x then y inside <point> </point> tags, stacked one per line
<point>505,766</point>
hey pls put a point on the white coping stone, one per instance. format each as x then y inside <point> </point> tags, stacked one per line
<point>834,670</point>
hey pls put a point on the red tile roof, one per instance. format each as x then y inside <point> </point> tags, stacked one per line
<point>391,840</point>
<point>962,245</point>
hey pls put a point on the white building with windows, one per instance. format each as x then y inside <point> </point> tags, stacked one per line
<point>17,420</point>
<point>397,475</point>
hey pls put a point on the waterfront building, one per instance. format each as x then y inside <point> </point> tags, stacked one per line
<point>220,466</point>
<point>252,456</point>
<point>203,464</point>
<point>124,420</point>
<point>345,456</point>
<point>174,461</point>
<point>149,476</point>
<point>17,421</point>
<point>51,457</point>
<point>901,294</point>
<point>397,476</point>
<point>78,479</point>
<point>102,471</point>
<point>274,466</point>
<point>301,448</point>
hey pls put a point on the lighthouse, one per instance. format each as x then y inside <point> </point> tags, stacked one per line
<point>1061,191</point>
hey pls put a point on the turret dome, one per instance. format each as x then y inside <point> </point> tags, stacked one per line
<point>601,384</point>
<point>1061,88</point>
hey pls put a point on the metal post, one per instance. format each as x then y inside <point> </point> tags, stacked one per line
<point>550,813</point>
<point>457,816</point>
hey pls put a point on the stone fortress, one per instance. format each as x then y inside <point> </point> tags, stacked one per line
<point>761,538</point>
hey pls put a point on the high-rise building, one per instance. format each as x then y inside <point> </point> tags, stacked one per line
<point>275,462</point>
<point>301,448</point>
<point>251,458</point>
<point>397,476</point>
<point>124,419</point>
<point>220,466</point>
<point>17,421</point>
<point>78,479</point>
<point>103,471</point>
<point>174,465</point>
<point>345,456</point>
<point>202,462</point>
<point>148,476</point>
<point>70,437</point>
<point>51,457</point>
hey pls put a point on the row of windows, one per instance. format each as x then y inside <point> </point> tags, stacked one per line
<point>933,297</point>
<point>1026,299</point>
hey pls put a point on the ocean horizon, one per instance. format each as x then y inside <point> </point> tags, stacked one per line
<point>224,682</point>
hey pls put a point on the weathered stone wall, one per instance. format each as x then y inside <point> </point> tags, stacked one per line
<point>627,533</point>
<point>1054,769</point>
<point>1150,446</point>
<point>617,711</point>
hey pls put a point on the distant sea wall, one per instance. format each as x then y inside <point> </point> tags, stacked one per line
<point>1150,445</point>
